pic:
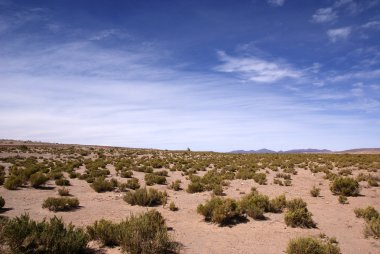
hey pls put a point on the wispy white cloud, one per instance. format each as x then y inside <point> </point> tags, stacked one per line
<point>372,24</point>
<point>276,3</point>
<point>339,33</point>
<point>256,69</point>
<point>364,74</point>
<point>324,15</point>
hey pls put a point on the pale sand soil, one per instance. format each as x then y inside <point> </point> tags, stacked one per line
<point>197,236</point>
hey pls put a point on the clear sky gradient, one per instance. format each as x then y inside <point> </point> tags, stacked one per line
<point>213,75</point>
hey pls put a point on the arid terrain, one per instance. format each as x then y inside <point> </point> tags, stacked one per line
<point>271,174</point>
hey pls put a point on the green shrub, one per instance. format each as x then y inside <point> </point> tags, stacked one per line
<point>278,204</point>
<point>255,205</point>
<point>104,231</point>
<point>173,207</point>
<point>372,228</point>
<point>308,245</point>
<point>146,197</point>
<point>345,186</point>
<point>367,213</point>
<point>176,185</point>
<point>60,204</point>
<point>314,192</point>
<point>194,187</point>
<point>217,190</point>
<point>102,185</point>
<point>64,192</point>
<point>23,235</point>
<point>343,199</point>
<point>298,215</point>
<point>2,202</point>
<point>260,178</point>
<point>133,184</point>
<point>62,182</point>
<point>151,179</point>
<point>13,182</point>
<point>146,234</point>
<point>221,211</point>
<point>126,173</point>
<point>38,179</point>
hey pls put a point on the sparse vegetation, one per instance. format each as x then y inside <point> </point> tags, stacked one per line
<point>173,207</point>
<point>315,192</point>
<point>102,185</point>
<point>146,197</point>
<point>372,218</point>
<point>309,245</point>
<point>221,211</point>
<point>60,204</point>
<point>345,186</point>
<point>297,214</point>
<point>23,235</point>
<point>64,192</point>
<point>38,179</point>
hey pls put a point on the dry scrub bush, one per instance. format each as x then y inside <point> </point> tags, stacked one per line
<point>297,214</point>
<point>13,182</point>
<point>372,218</point>
<point>62,182</point>
<point>173,207</point>
<point>152,178</point>
<point>314,192</point>
<point>146,197</point>
<point>102,185</point>
<point>132,183</point>
<point>23,235</point>
<point>142,234</point>
<point>345,186</point>
<point>60,204</point>
<point>38,179</point>
<point>220,210</point>
<point>64,192</point>
<point>255,205</point>
<point>176,185</point>
<point>309,245</point>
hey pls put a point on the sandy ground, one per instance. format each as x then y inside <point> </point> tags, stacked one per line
<point>197,236</point>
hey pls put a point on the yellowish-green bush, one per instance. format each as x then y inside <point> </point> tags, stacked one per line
<point>345,186</point>
<point>23,235</point>
<point>60,204</point>
<point>146,197</point>
<point>309,245</point>
<point>221,211</point>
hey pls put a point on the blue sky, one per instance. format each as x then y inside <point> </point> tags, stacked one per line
<point>209,75</point>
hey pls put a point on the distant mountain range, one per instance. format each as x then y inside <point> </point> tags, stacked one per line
<point>352,151</point>
<point>263,151</point>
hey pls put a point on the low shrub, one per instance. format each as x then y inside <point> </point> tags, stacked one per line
<point>60,204</point>
<point>2,202</point>
<point>13,182</point>
<point>176,185</point>
<point>23,235</point>
<point>345,186</point>
<point>126,173</point>
<point>314,192</point>
<point>152,178</point>
<point>217,190</point>
<point>64,192</point>
<point>278,204</point>
<point>309,245</point>
<point>102,185</point>
<point>221,211</point>
<point>146,197</point>
<point>105,232</point>
<point>372,218</point>
<point>343,199</point>
<point>367,213</point>
<point>38,179</point>
<point>255,205</point>
<point>194,187</point>
<point>62,182</point>
<point>372,228</point>
<point>297,214</point>
<point>173,207</point>
<point>260,178</point>
<point>132,183</point>
<point>146,234</point>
